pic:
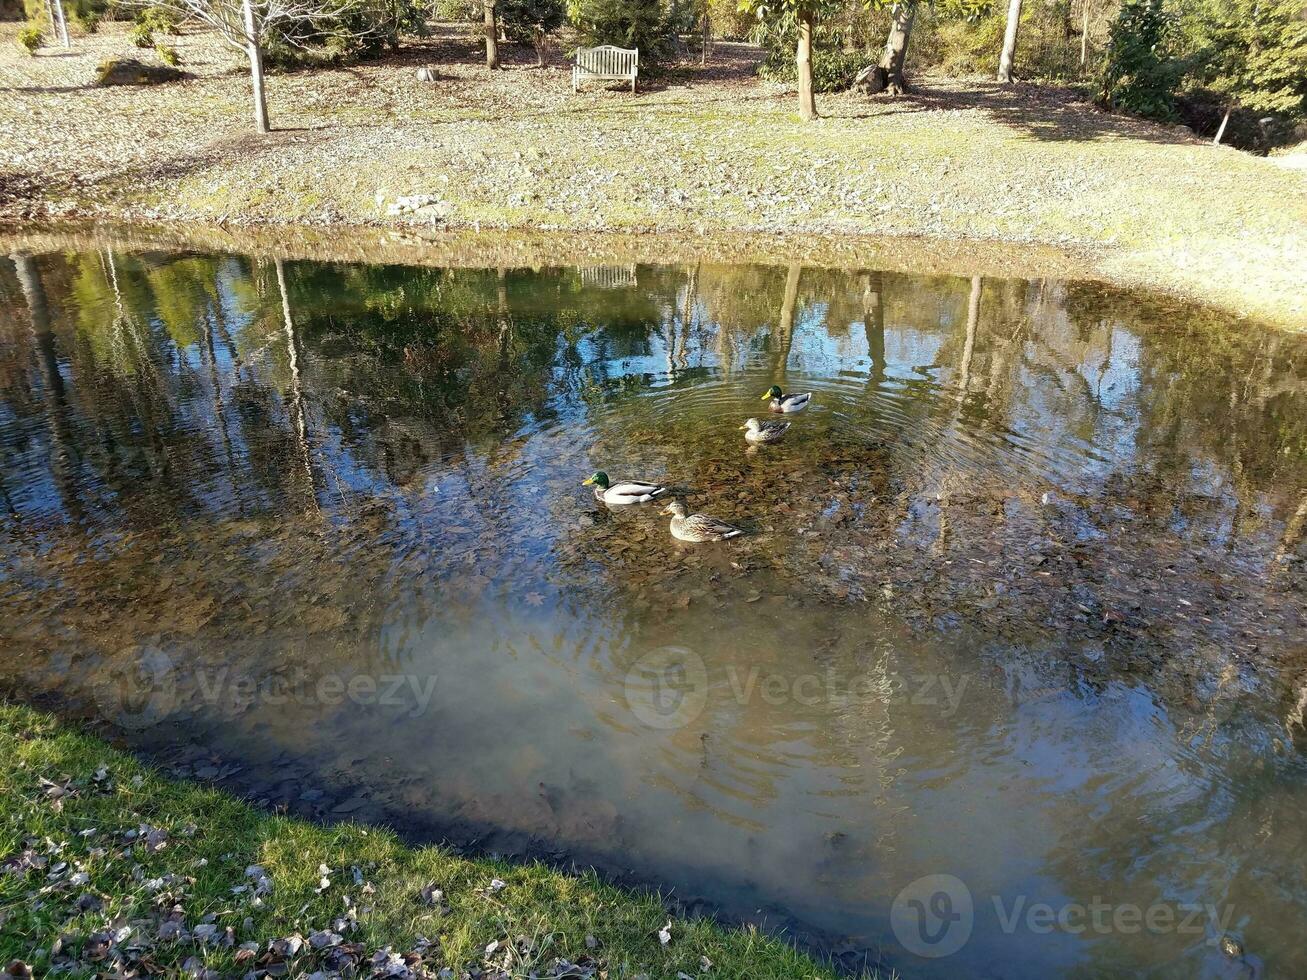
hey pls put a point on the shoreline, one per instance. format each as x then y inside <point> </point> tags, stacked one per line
<point>211,912</point>
<point>470,247</point>
<point>1026,178</point>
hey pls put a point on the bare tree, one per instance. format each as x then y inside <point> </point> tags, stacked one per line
<point>1009,42</point>
<point>245,25</point>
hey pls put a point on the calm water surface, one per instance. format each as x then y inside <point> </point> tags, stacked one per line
<point>1021,602</point>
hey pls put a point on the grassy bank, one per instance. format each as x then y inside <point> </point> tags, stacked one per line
<point>105,864</point>
<point>709,151</point>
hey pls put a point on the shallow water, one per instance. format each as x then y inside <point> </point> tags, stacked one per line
<point>1021,603</point>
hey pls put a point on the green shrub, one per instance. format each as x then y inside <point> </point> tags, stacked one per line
<point>653,26</point>
<point>963,48</point>
<point>456,10</point>
<point>158,20</point>
<point>837,54</point>
<point>168,55</point>
<point>86,14</point>
<point>87,20</point>
<point>141,35</point>
<point>832,71</point>
<point>31,37</point>
<point>525,20</point>
<point>729,23</point>
<point>1142,72</point>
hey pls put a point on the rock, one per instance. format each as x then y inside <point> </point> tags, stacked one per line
<point>872,80</point>
<point>420,206</point>
<point>129,71</point>
<point>427,74</point>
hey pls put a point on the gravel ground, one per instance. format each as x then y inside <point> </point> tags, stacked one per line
<point>708,151</point>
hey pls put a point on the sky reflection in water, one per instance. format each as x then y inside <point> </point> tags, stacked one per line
<point>1021,602</point>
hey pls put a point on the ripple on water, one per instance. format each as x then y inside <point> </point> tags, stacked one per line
<point>378,472</point>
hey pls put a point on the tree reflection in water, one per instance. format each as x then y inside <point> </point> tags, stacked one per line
<point>1090,502</point>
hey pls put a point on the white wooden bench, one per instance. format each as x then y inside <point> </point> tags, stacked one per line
<point>605,62</point>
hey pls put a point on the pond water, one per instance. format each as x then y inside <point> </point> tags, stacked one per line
<point>1007,678</point>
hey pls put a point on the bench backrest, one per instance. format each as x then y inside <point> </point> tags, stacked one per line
<point>608,59</point>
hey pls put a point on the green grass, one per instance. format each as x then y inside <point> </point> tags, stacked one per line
<point>93,841</point>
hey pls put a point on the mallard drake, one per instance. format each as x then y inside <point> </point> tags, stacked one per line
<point>625,492</point>
<point>698,527</point>
<point>757,431</point>
<point>785,403</point>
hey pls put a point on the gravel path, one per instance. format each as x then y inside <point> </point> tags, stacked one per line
<point>709,151</point>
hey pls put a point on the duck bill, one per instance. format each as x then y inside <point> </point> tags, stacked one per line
<point>765,396</point>
<point>588,482</point>
<point>665,510</point>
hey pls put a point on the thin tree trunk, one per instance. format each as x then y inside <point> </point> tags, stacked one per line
<point>1084,32</point>
<point>803,63</point>
<point>60,21</point>
<point>1220,132</point>
<point>255,54</point>
<point>1009,42</point>
<point>492,34</point>
<point>540,41</point>
<point>707,33</point>
<point>896,47</point>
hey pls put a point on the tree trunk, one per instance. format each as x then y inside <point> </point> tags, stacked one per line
<point>1009,42</point>
<point>540,41</point>
<point>896,46</point>
<point>1220,131</point>
<point>803,64</point>
<point>707,33</point>
<point>255,54</point>
<point>1084,32</point>
<point>492,34</point>
<point>60,21</point>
